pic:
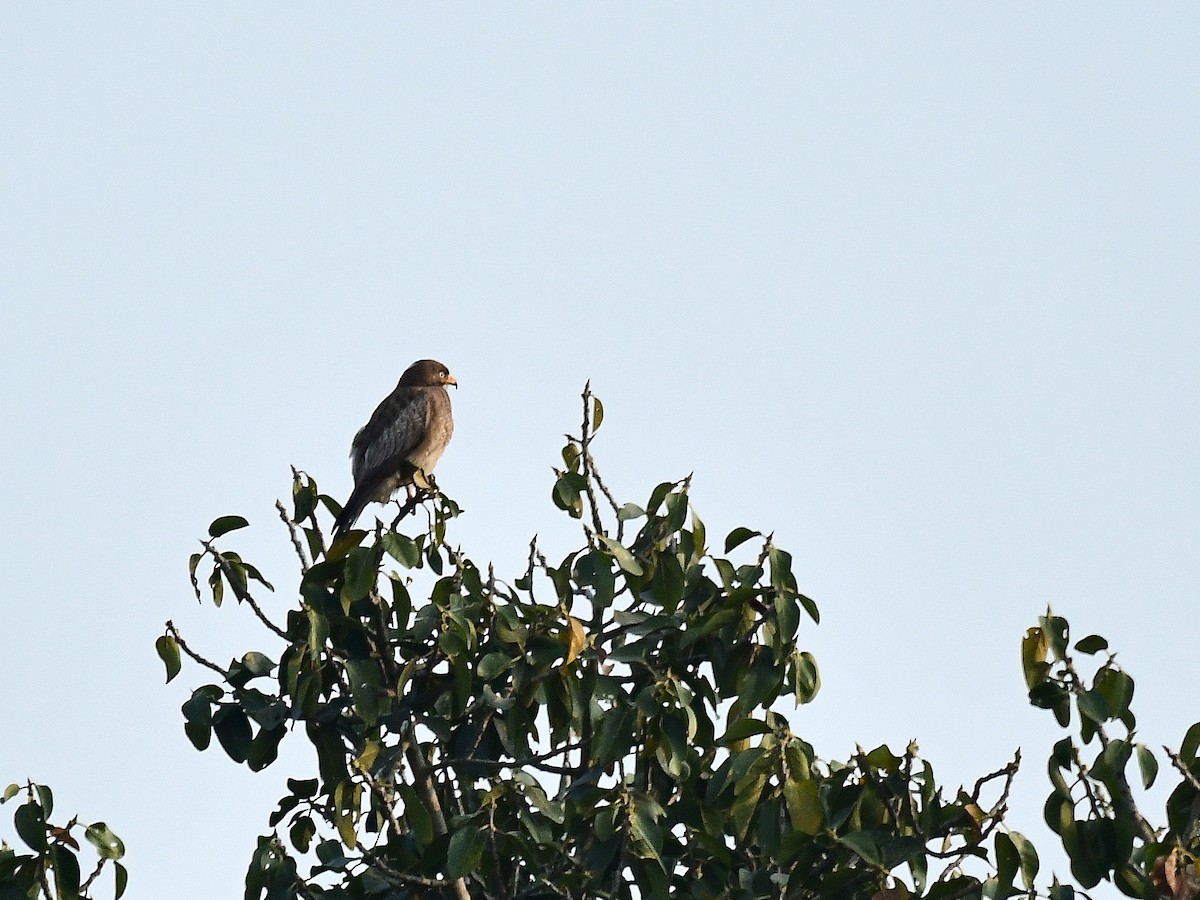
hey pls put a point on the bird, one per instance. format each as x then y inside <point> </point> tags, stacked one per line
<point>402,441</point>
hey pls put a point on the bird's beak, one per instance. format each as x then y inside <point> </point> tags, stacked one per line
<point>450,380</point>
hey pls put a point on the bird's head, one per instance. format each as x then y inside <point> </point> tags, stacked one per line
<point>427,373</point>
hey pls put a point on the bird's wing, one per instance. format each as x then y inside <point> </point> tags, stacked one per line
<point>395,428</point>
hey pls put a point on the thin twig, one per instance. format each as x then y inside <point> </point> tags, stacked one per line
<point>585,457</point>
<point>537,761</point>
<point>1178,763</point>
<point>996,813</point>
<point>291,527</point>
<point>1145,829</point>
<point>195,657</point>
<point>239,589</point>
<point>95,874</point>
<point>403,877</point>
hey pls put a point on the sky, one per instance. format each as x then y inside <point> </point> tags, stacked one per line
<point>915,288</point>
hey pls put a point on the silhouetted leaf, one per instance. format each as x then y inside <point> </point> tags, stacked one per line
<point>225,524</point>
<point>739,536</point>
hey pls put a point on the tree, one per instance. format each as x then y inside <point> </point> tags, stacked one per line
<point>612,724</point>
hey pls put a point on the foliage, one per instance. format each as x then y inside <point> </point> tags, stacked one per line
<point>52,870</point>
<point>613,724</point>
<point>1092,806</point>
<point>603,726</point>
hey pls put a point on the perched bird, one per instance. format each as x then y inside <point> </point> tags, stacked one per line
<point>401,442</point>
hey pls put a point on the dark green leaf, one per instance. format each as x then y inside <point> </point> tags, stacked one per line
<point>1191,743</point>
<point>466,850</point>
<point>1093,643</point>
<point>744,728</point>
<point>257,664</point>
<point>226,524</point>
<point>739,536</point>
<point>1147,765</point>
<point>31,825</point>
<point>1092,705</point>
<point>402,548</point>
<point>493,664</point>
<point>233,731</point>
<point>66,872</point>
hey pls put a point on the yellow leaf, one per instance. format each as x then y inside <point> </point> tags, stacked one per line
<point>576,639</point>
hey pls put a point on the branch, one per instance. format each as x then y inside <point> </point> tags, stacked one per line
<point>423,776</point>
<point>95,874</point>
<point>996,813</point>
<point>586,459</point>
<point>1145,829</point>
<point>403,877</point>
<point>195,657</point>
<point>537,761</point>
<point>239,589</point>
<point>1179,764</point>
<point>291,527</point>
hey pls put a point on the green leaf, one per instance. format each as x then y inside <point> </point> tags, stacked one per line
<point>45,799</point>
<point>1191,743</point>
<point>107,844</point>
<point>466,850</point>
<point>624,558</point>
<point>416,815</point>
<point>1092,705</point>
<point>493,664</point>
<point>739,536</point>
<point>1008,861</point>
<point>1029,858</point>
<point>402,548</point>
<point>1093,643</point>
<point>807,676</point>
<point>744,728</point>
<point>597,413</point>
<point>30,823</point>
<point>233,731</point>
<point>121,880</point>
<point>9,792</point>
<point>257,664</point>
<point>168,652</point>
<point>803,805</point>
<point>630,511</point>
<point>1148,765</point>
<point>567,491</point>
<point>66,872</point>
<point>226,524</point>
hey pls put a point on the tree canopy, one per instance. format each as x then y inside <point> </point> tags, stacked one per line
<point>610,724</point>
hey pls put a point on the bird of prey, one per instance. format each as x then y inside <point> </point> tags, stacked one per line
<point>401,442</point>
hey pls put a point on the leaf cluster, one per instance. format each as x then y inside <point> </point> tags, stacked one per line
<point>49,868</point>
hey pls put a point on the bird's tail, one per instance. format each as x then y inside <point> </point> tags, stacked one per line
<point>350,512</point>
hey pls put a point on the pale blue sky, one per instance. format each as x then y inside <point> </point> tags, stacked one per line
<point>916,287</point>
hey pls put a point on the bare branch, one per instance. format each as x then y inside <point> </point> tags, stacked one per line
<point>195,657</point>
<point>1179,764</point>
<point>291,527</point>
<point>586,458</point>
